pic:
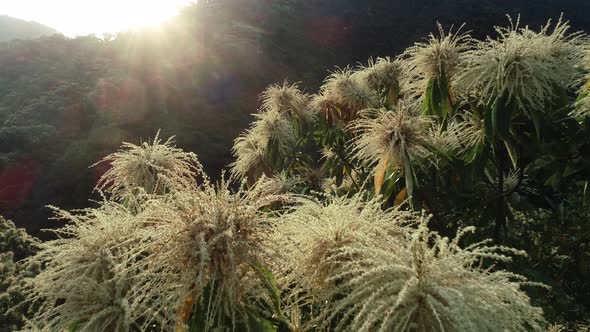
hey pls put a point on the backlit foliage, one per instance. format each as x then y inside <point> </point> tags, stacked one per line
<point>273,127</point>
<point>522,66</point>
<point>199,258</point>
<point>287,99</point>
<point>340,204</point>
<point>387,77</point>
<point>453,126</point>
<point>250,155</point>
<point>470,132</point>
<point>305,241</point>
<point>427,283</point>
<point>582,107</point>
<point>84,282</point>
<point>153,168</point>
<point>349,93</point>
<point>391,136</point>
<point>204,247</point>
<point>439,58</point>
<point>16,240</point>
<point>392,140</point>
<point>15,246</point>
<point>270,133</point>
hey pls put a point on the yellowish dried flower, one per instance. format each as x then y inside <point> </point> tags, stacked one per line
<point>391,136</point>
<point>325,105</point>
<point>582,106</point>
<point>439,58</point>
<point>278,184</point>
<point>250,157</point>
<point>524,67</point>
<point>287,99</point>
<point>272,126</point>
<point>153,168</point>
<point>85,282</point>
<point>385,75</point>
<point>470,131</point>
<point>313,177</point>
<point>305,238</point>
<point>251,148</point>
<point>427,283</point>
<point>443,138</point>
<point>349,92</point>
<point>203,245</point>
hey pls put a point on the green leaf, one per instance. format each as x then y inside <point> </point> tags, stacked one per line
<point>380,171</point>
<point>409,178</point>
<point>437,101</point>
<point>515,199</point>
<point>512,152</point>
<point>389,185</point>
<point>74,326</point>
<point>445,104</point>
<point>554,180</point>
<point>570,170</point>
<point>585,192</point>
<point>270,283</point>
<point>437,98</point>
<point>198,318</point>
<point>536,117</point>
<point>436,150</point>
<point>428,100</point>
<point>489,129</point>
<point>501,118</point>
<point>259,324</point>
<point>475,153</point>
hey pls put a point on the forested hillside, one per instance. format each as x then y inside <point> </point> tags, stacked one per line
<point>14,28</point>
<point>65,103</point>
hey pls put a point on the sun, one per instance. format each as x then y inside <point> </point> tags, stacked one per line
<point>84,17</point>
<point>138,14</point>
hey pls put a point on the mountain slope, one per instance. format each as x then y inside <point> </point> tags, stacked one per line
<point>14,28</point>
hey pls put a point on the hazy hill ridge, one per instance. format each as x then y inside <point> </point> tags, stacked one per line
<point>14,28</point>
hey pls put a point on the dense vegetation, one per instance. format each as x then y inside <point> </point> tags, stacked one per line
<point>473,132</point>
<point>364,206</point>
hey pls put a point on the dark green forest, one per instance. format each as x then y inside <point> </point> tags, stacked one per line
<point>206,77</point>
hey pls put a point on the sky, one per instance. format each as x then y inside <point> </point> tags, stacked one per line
<point>84,17</point>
